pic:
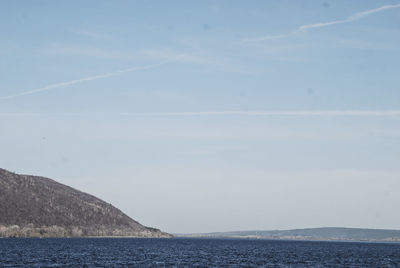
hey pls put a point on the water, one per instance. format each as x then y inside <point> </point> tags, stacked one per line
<point>126,252</point>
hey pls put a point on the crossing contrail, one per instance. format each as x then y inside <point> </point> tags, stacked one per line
<point>354,17</point>
<point>351,18</point>
<point>81,80</point>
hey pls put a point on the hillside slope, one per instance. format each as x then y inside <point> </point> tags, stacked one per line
<point>32,206</point>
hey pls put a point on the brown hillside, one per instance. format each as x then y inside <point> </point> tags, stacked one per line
<point>32,206</point>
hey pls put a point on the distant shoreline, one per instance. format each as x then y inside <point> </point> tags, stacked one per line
<point>214,238</point>
<point>288,239</point>
<point>335,234</point>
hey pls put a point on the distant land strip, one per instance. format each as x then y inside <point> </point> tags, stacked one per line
<point>318,234</point>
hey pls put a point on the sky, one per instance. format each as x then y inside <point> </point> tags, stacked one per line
<point>202,116</point>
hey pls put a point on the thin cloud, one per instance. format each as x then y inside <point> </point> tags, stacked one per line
<point>77,81</point>
<point>324,113</point>
<point>92,34</point>
<point>87,52</point>
<point>278,113</point>
<point>306,27</point>
<point>268,37</point>
<point>219,63</point>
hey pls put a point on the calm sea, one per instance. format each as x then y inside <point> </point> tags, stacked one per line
<point>126,252</point>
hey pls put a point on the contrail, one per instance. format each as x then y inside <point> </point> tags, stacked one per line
<point>353,17</point>
<point>302,113</point>
<point>303,28</point>
<point>77,81</point>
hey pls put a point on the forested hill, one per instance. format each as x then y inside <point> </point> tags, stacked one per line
<point>32,206</point>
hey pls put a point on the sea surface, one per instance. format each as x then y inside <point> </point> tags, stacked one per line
<point>182,252</point>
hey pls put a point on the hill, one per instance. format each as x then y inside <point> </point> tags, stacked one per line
<point>32,206</point>
<point>325,233</point>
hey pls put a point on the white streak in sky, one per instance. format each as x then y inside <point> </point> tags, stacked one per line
<point>353,17</point>
<point>324,113</point>
<point>303,28</point>
<point>268,37</point>
<point>77,81</point>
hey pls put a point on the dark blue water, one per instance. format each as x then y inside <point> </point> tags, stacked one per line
<point>193,253</point>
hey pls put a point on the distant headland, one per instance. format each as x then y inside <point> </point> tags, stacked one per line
<point>324,234</point>
<point>32,206</point>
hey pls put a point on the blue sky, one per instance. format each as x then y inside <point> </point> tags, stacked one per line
<point>197,116</point>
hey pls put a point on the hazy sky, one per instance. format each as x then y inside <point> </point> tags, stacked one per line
<point>198,116</point>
